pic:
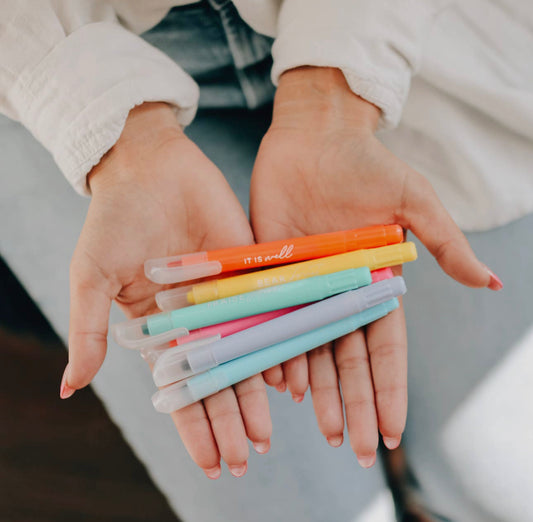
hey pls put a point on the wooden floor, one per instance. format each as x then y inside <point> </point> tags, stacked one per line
<point>59,460</point>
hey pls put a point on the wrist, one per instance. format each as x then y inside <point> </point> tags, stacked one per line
<point>147,127</point>
<point>311,96</point>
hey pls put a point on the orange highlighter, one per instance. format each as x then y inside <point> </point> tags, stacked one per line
<point>187,267</point>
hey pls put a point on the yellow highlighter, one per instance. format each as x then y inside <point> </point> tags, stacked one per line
<point>373,258</point>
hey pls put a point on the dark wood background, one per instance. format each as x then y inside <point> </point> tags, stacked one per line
<point>60,460</point>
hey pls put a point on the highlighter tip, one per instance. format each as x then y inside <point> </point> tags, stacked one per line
<point>410,251</point>
<point>394,234</point>
<point>381,274</point>
<point>145,330</point>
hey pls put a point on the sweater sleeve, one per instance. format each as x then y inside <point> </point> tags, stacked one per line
<point>70,73</point>
<point>376,43</point>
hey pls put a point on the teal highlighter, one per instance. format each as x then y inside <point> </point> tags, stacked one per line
<point>189,391</point>
<point>259,301</point>
<point>242,305</point>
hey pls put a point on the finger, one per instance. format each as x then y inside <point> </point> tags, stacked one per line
<point>387,346</point>
<point>253,403</point>
<point>428,219</point>
<point>90,303</point>
<point>296,373</point>
<point>195,431</point>
<point>274,377</point>
<point>326,395</point>
<point>228,428</point>
<point>355,377</point>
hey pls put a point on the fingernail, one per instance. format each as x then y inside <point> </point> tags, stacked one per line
<point>238,471</point>
<point>281,387</point>
<point>367,462</point>
<point>495,282</point>
<point>261,447</point>
<point>391,442</point>
<point>297,397</point>
<point>65,391</point>
<point>335,441</point>
<point>213,473</point>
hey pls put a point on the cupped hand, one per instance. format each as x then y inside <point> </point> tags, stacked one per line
<point>155,194</point>
<point>320,168</point>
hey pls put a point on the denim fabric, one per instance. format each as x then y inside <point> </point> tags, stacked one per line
<point>230,61</point>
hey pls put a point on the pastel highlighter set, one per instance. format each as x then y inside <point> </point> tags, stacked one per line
<point>213,334</point>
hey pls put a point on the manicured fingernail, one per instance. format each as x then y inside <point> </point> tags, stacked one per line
<point>495,282</point>
<point>262,447</point>
<point>238,471</point>
<point>335,440</point>
<point>65,391</point>
<point>367,462</point>
<point>391,442</point>
<point>297,397</point>
<point>281,387</point>
<point>213,473</point>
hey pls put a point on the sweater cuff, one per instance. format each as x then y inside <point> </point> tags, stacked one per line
<point>376,45</point>
<point>77,99</point>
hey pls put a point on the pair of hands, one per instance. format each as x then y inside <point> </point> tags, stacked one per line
<point>319,169</point>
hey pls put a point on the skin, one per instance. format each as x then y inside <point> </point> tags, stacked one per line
<point>155,194</point>
<point>319,169</point>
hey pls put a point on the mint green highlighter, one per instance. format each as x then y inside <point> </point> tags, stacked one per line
<point>191,390</point>
<point>138,331</point>
<point>259,301</point>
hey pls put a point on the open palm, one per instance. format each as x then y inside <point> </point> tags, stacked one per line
<point>154,195</point>
<point>320,169</point>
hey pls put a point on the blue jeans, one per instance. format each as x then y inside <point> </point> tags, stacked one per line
<point>230,61</point>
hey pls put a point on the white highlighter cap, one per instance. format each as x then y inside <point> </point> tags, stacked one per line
<point>177,396</point>
<point>172,299</point>
<point>174,365</point>
<point>152,354</point>
<point>133,334</point>
<point>176,269</point>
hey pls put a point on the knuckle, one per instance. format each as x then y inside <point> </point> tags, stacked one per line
<point>321,351</point>
<point>194,417</point>
<point>359,403</point>
<point>246,393</point>
<point>389,396</point>
<point>386,350</point>
<point>352,362</point>
<point>323,389</point>
<point>85,337</point>
<point>224,414</point>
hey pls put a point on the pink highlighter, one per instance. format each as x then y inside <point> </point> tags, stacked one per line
<point>209,334</point>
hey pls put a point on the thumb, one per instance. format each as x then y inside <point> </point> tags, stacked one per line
<point>90,303</point>
<point>426,216</point>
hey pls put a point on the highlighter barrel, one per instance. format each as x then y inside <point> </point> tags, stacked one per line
<point>186,267</point>
<point>217,331</point>
<point>154,330</point>
<point>178,363</point>
<point>175,298</point>
<point>257,302</point>
<point>209,334</point>
<point>186,392</point>
<point>374,259</point>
